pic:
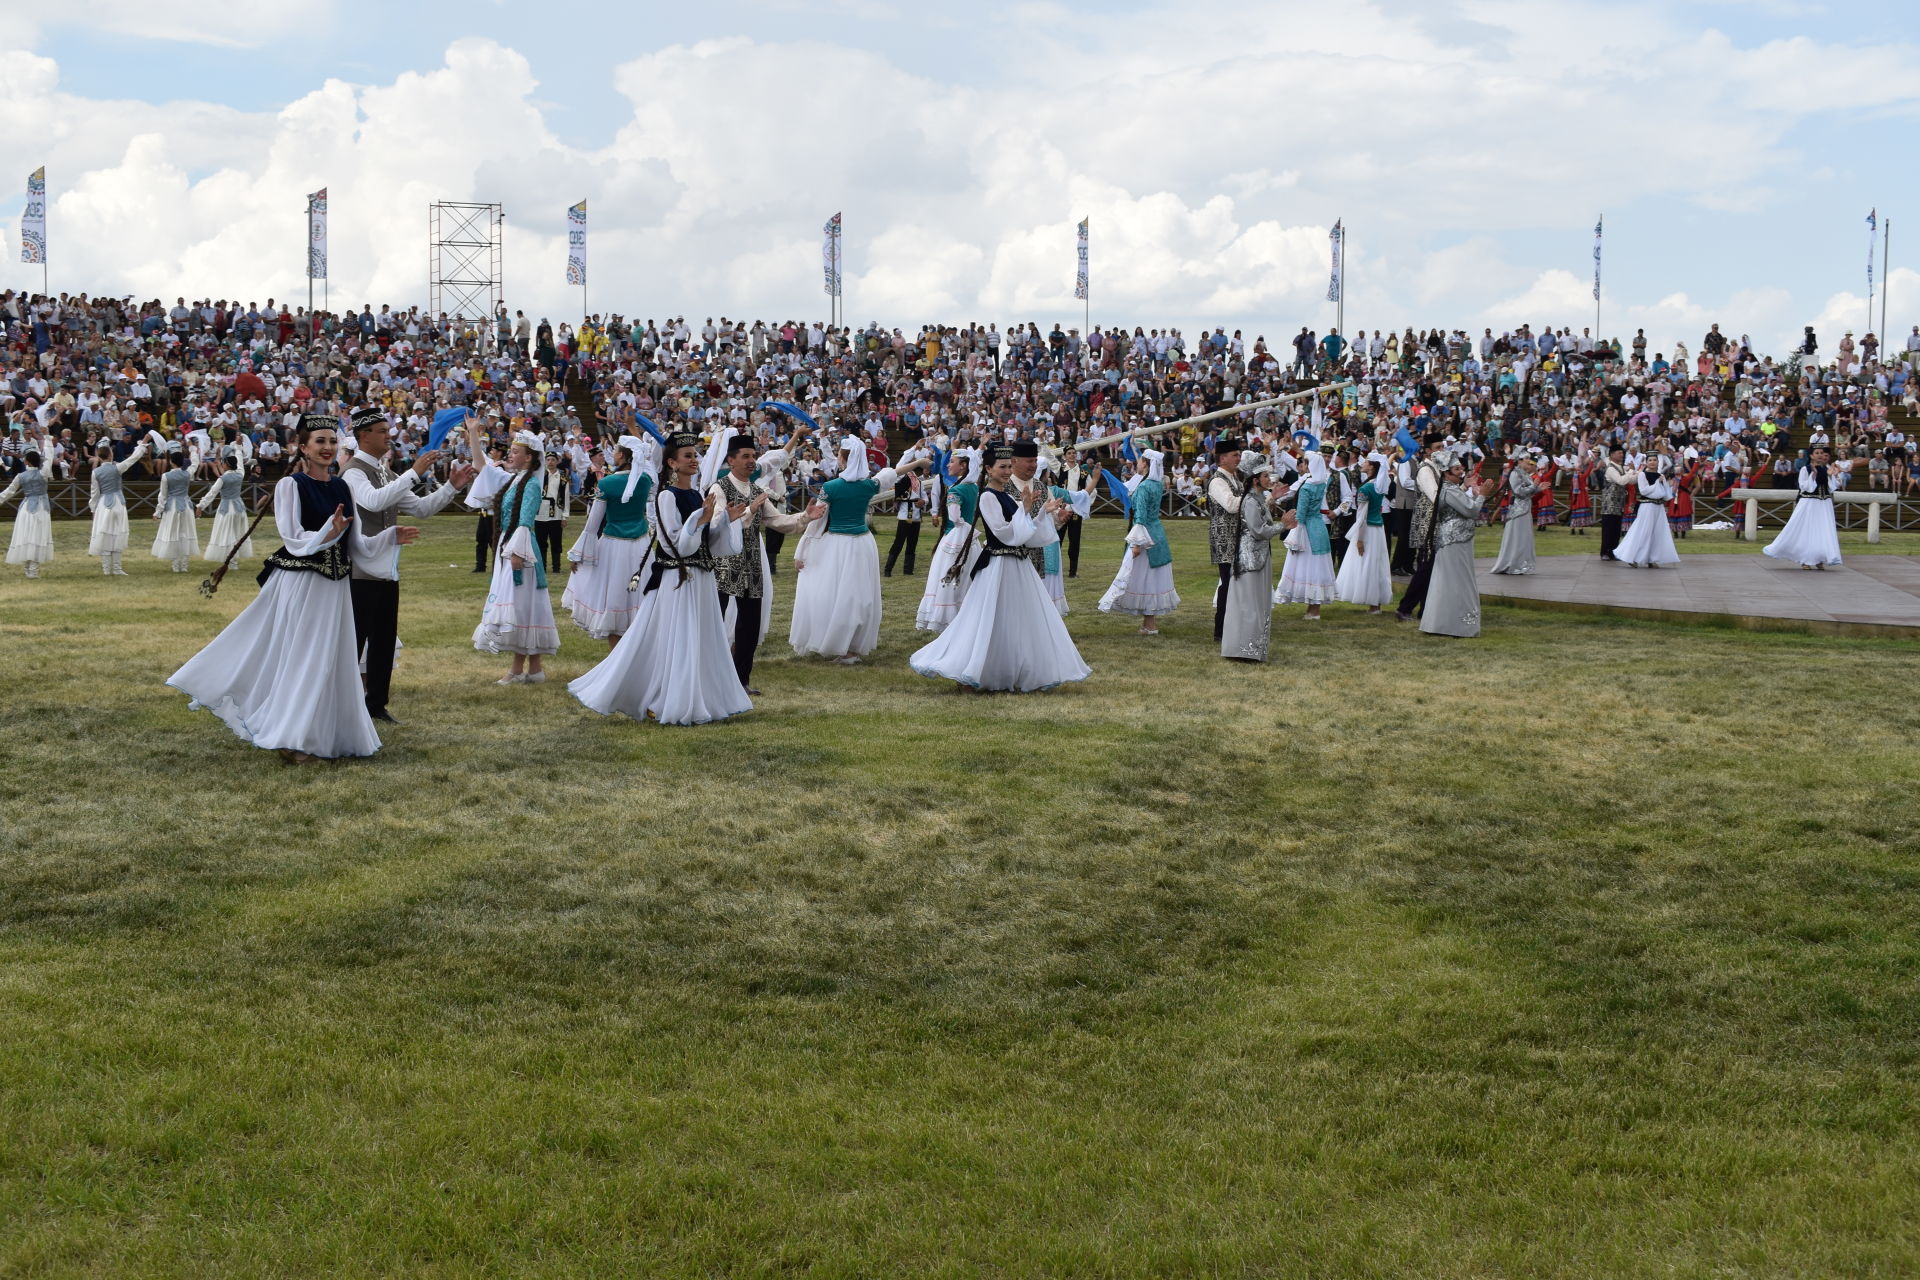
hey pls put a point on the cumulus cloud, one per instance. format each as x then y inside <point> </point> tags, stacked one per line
<point>1210,165</point>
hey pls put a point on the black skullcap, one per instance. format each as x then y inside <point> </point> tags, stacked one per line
<point>1025,449</point>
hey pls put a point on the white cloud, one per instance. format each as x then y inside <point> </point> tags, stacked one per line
<point>215,22</point>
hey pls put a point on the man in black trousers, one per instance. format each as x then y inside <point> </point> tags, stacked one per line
<point>1428,477</point>
<point>378,496</point>
<point>910,505</point>
<point>1612,503</point>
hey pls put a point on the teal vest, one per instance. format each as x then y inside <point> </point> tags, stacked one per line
<point>623,519</point>
<point>968,496</point>
<point>847,502</point>
<point>1147,496</point>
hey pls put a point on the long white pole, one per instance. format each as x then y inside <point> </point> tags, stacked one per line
<point>1209,417</point>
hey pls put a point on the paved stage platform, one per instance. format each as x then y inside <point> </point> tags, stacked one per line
<point>1869,595</point>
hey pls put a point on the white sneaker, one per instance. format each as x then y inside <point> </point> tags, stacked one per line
<point>534,677</point>
<point>519,679</point>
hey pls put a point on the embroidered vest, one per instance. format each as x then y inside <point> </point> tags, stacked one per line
<point>318,498</point>
<point>739,575</point>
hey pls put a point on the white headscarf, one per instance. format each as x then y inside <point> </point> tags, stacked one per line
<point>1155,464</point>
<point>975,457</point>
<point>855,467</point>
<point>716,455</point>
<point>646,460</point>
<point>535,444</point>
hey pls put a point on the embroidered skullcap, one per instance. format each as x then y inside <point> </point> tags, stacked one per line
<point>368,416</point>
<point>1026,448</point>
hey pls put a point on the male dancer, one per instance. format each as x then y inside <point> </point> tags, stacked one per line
<point>744,579</point>
<point>1427,480</point>
<point>1613,500</point>
<point>1224,491</point>
<point>909,508</point>
<point>378,497</point>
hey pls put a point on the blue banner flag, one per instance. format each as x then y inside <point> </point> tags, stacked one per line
<point>1404,438</point>
<point>792,411</point>
<point>646,425</point>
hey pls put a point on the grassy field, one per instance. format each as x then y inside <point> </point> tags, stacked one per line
<point>1583,949</point>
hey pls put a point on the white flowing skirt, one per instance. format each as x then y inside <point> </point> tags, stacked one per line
<point>229,527</point>
<point>1365,579</point>
<point>1056,585</point>
<point>516,619</point>
<point>32,538</point>
<point>1649,540</point>
<point>674,663</point>
<point>836,602</point>
<point>179,536</point>
<point>109,530</point>
<point>941,600</point>
<point>1141,589</point>
<point>1811,535</point>
<point>597,594</point>
<point>1306,578</point>
<point>285,674</point>
<point>1007,637</point>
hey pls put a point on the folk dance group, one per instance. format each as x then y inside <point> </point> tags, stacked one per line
<point>673,568</point>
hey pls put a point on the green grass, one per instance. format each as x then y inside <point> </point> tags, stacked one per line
<point>1585,948</point>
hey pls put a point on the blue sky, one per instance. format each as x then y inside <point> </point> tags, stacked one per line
<point>1735,148</point>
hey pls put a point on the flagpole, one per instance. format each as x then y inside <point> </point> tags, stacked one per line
<point>1886,270</point>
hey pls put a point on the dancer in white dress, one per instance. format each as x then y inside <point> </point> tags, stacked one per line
<point>674,665</point>
<point>1143,585</point>
<point>518,617</point>
<point>836,602</point>
<point>178,539</point>
<point>32,543</point>
<point>1007,636</point>
<point>612,547</point>
<point>1365,575</point>
<point>285,674</point>
<point>1812,536</point>
<point>1649,540</point>
<point>946,588</point>
<point>1307,577</point>
<point>108,502</point>
<point>230,518</point>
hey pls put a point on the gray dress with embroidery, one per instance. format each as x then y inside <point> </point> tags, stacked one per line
<point>1453,599</point>
<point>1516,540</point>
<point>1248,626</point>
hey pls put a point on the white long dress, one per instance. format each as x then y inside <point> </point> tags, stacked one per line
<point>179,536</point>
<point>1812,535</point>
<point>604,563</point>
<point>1365,576</point>
<point>1649,539</point>
<point>285,674</point>
<point>1007,636</point>
<point>107,500</point>
<point>675,662</point>
<point>230,518</point>
<point>32,541</point>
<point>518,616</point>
<point>940,602</point>
<point>836,600</point>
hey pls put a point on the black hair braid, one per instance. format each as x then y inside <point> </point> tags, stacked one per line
<point>509,500</point>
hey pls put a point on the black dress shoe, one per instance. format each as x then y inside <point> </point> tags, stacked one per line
<point>752,692</point>
<point>386,716</point>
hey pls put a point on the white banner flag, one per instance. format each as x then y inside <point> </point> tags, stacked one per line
<point>830,255</point>
<point>1338,236</point>
<point>317,235</point>
<point>577,244</point>
<point>33,220</point>
<point>1598,223</point>
<point>1080,279</point>
<point>1873,229</point>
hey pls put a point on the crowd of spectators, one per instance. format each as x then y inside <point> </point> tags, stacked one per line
<point>79,372</point>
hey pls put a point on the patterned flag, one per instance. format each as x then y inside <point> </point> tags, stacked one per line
<point>1596,258</point>
<point>577,244</point>
<point>33,221</point>
<point>830,255</point>
<point>1338,237</point>
<point>1080,278</point>
<point>317,235</point>
<point>1873,226</point>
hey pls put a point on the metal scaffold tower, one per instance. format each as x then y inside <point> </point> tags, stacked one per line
<point>464,272</point>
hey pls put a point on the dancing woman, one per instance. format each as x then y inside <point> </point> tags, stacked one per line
<point>1246,630</point>
<point>836,602</point>
<point>285,674</point>
<point>1366,575</point>
<point>518,617</point>
<point>1649,540</point>
<point>32,541</point>
<point>1516,537</point>
<point>1143,586</point>
<point>108,502</point>
<point>230,517</point>
<point>948,577</point>
<point>612,548</point>
<point>1007,635</point>
<point>178,538</point>
<point>674,664</point>
<point>1812,536</point>
<point>1307,576</point>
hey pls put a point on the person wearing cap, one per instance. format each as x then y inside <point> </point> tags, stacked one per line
<point>611,550</point>
<point>1649,542</point>
<point>1452,606</point>
<point>745,577</point>
<point>1007,636</point>
<point>1615,480</point>
<point>1225,489</point>
<point>1365,575</point>
<point>1248,626</point>
<point>1428,479</point>
<point>1516,537</point>
<point>950,574</point>
<point>379,496</point>
<point>1307,577</point>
